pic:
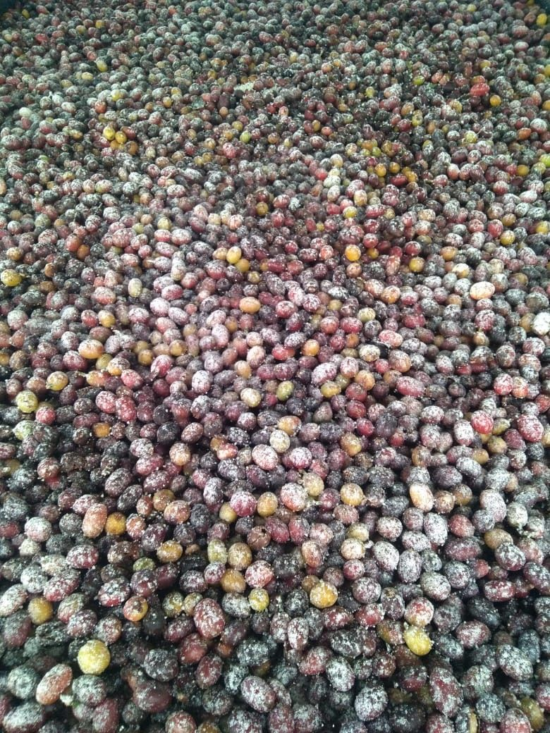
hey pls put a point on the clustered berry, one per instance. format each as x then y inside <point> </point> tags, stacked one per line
<point>274,366</point>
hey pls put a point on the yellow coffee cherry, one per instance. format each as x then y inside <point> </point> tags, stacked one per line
<point>135,287</point>
<point>91,349</point>
<point>258,599</point>
<point>351,444</point>
<point>353,253</point>
<point>57,381</point>
<point>330,389</point>
<point>115,524</point>
<point>101,430</point>
<point>216,551</point>
<point>251,397</point>
<point>243,265</point>
<point>11,278</point>
<point>26,401</point>
<point>313,484</point>
<point>267,504</point>
<point>173,604</point>
<point>190,602</point>
<point>352,549</point>
<point>170,551</point>
<point>40,610</point>
<point>94,657</point>
<point>284,391</point>
<point>534,712</point>
<point>323,595</point>
<point>416,264</point>
<point>233,581</point>
<point>23,429</point>
<point>109,132</point>
<point>104,361</point>
<point>289,424</point>
<point>250,305</point>
<point>421,496</point>
<point>239,556</point>
<point>243,369</point>
<point>311,348</point>
<point>417,640</point>
<point>227,514</point>
<point>144,563</point>
<point>135,609</point>
<point>494,538</point>
<point>234,254</point>
<point>352,494</point>
<point>106,319</point>
<point>350,212</point>
<point>358,531</point>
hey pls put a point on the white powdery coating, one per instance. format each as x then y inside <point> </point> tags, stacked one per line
<point>497,479</point>
<point>446,692</point>
<point>296,295</point>
<point>370,703</point>
<point>463,432</point>
<point>53,564</point>
<point>386,555</point>
<point>259,574</point>
<point>541,323</point>
<point>307,717</point>
<point>209,618</point>
<point>258,694</point>
<point>421,496</point>
<point>482,290</point>
<point>436,528</point>
<point>297,633</point>
<point>410,566</point>
<point>265,457</point>
<point>432,414</point>
<point>530,428</point>
<point>300,457</point>
<point>321,533</point>
<point>294,496</point>
<point>54,682</point>
<point>514,663</point>
<point>201,382</point>
<point>419,611</point>
<point>33,579</point>
<point>517,515</point>
<point>279,441</point>
<point>38,529</point>
<point>324,373</point>
<point>221,334</point>
<point>26,717</point>
<point>12,600</point>
<point>340,674</point>
<point>494,503</point>
<point>435,586</point>
<point>410,387</point>
<point>412,540</point>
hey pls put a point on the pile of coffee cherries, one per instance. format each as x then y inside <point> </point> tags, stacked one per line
<point>274,366</point>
